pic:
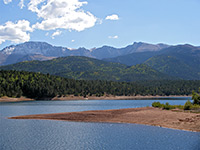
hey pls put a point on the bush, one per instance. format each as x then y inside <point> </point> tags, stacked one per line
<point>187,105</point>
<point>166,106</point>
<point>196,97</point>
<point>156,104</point>
<point>195,107</point>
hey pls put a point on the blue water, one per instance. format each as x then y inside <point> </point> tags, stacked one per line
<point>62,135</point>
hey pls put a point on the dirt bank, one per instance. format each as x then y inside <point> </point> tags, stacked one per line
<point>147,116</point>
<point>10,99</point>
<point>71,97</point>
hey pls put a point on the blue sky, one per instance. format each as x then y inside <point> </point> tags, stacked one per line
<point>94,23</point>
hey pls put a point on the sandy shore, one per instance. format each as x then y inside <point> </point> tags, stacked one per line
<point>10,99</point>
<point>147,116</point>
<point>110,97</point>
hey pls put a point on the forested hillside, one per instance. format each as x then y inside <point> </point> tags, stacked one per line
<point>133,58</point>
<point>39,86</point>
<point>182,61</point>
<point>85,68</point>
<point>179,61</point>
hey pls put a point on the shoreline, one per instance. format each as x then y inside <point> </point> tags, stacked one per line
<point>71,97</point>
<point>146,116</point>
<point>11,99</point>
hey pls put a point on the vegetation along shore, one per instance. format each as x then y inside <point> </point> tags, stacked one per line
<point>16,84</point>
<point>72,97</point>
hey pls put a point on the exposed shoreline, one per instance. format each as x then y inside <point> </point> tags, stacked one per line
<point>11,99</point>
<point>174,119</point>
<point>71,97</point>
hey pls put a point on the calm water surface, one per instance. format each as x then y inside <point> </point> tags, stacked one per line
<point>63,135</point>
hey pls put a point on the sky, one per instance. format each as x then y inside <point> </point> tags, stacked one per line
<point>94,23</point>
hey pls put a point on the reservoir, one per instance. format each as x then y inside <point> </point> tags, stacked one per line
<point>64,135</point>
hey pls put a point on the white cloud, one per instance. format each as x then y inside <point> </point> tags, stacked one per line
<point>112,17</point>
<point>7,1</point>
<point>56,33</point>
<point>15,32</point>
<point>73,41</point>
<point>61,14</point>
<point>113,37</point>
<point>53,15</point>
<point>21,4</point>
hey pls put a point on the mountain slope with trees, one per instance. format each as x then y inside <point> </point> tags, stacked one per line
<point>181,61</point>
<point>133,58</point>
<point>85,68</point>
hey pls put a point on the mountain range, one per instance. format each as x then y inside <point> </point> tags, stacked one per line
<point>43,51</point>
<point>179,61</point>
<point>139,61</point>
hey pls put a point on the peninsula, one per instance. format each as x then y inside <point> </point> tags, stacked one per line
<point>174,119</point>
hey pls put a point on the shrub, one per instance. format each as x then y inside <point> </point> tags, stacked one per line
<point>195,107</point>
<point>166,106</point>
<point>187,105</point>
<point>156,104</point>
<point>196,97</point>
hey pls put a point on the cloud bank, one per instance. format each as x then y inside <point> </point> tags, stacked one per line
<point>15,32</point>
<point>53,15</point>
<point>61,14</point>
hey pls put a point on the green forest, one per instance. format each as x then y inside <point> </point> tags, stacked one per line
<point>84,68</point>
<point>39,86</point>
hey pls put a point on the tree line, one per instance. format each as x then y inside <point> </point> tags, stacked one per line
<point>39,86</point>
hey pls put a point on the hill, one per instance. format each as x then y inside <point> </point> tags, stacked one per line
<point>31,57</point>
<point>179,61</point>
<point>85,68</point>
<point>133,58</point>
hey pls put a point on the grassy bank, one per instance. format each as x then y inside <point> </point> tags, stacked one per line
<point>195,105</point>
<point>187,106</point>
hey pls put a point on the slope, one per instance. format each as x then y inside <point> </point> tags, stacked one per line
<point>133,58</point>
<point>178,61</point>
<point>77,67</point>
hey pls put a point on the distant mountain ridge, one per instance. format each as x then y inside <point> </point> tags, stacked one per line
<point>31,57</point>
<point>85,68</point>
<point>179,61</point>
<point>16,53</point>
<point>109,52</point>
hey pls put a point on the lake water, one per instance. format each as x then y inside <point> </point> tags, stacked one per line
<point>63,135</point>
